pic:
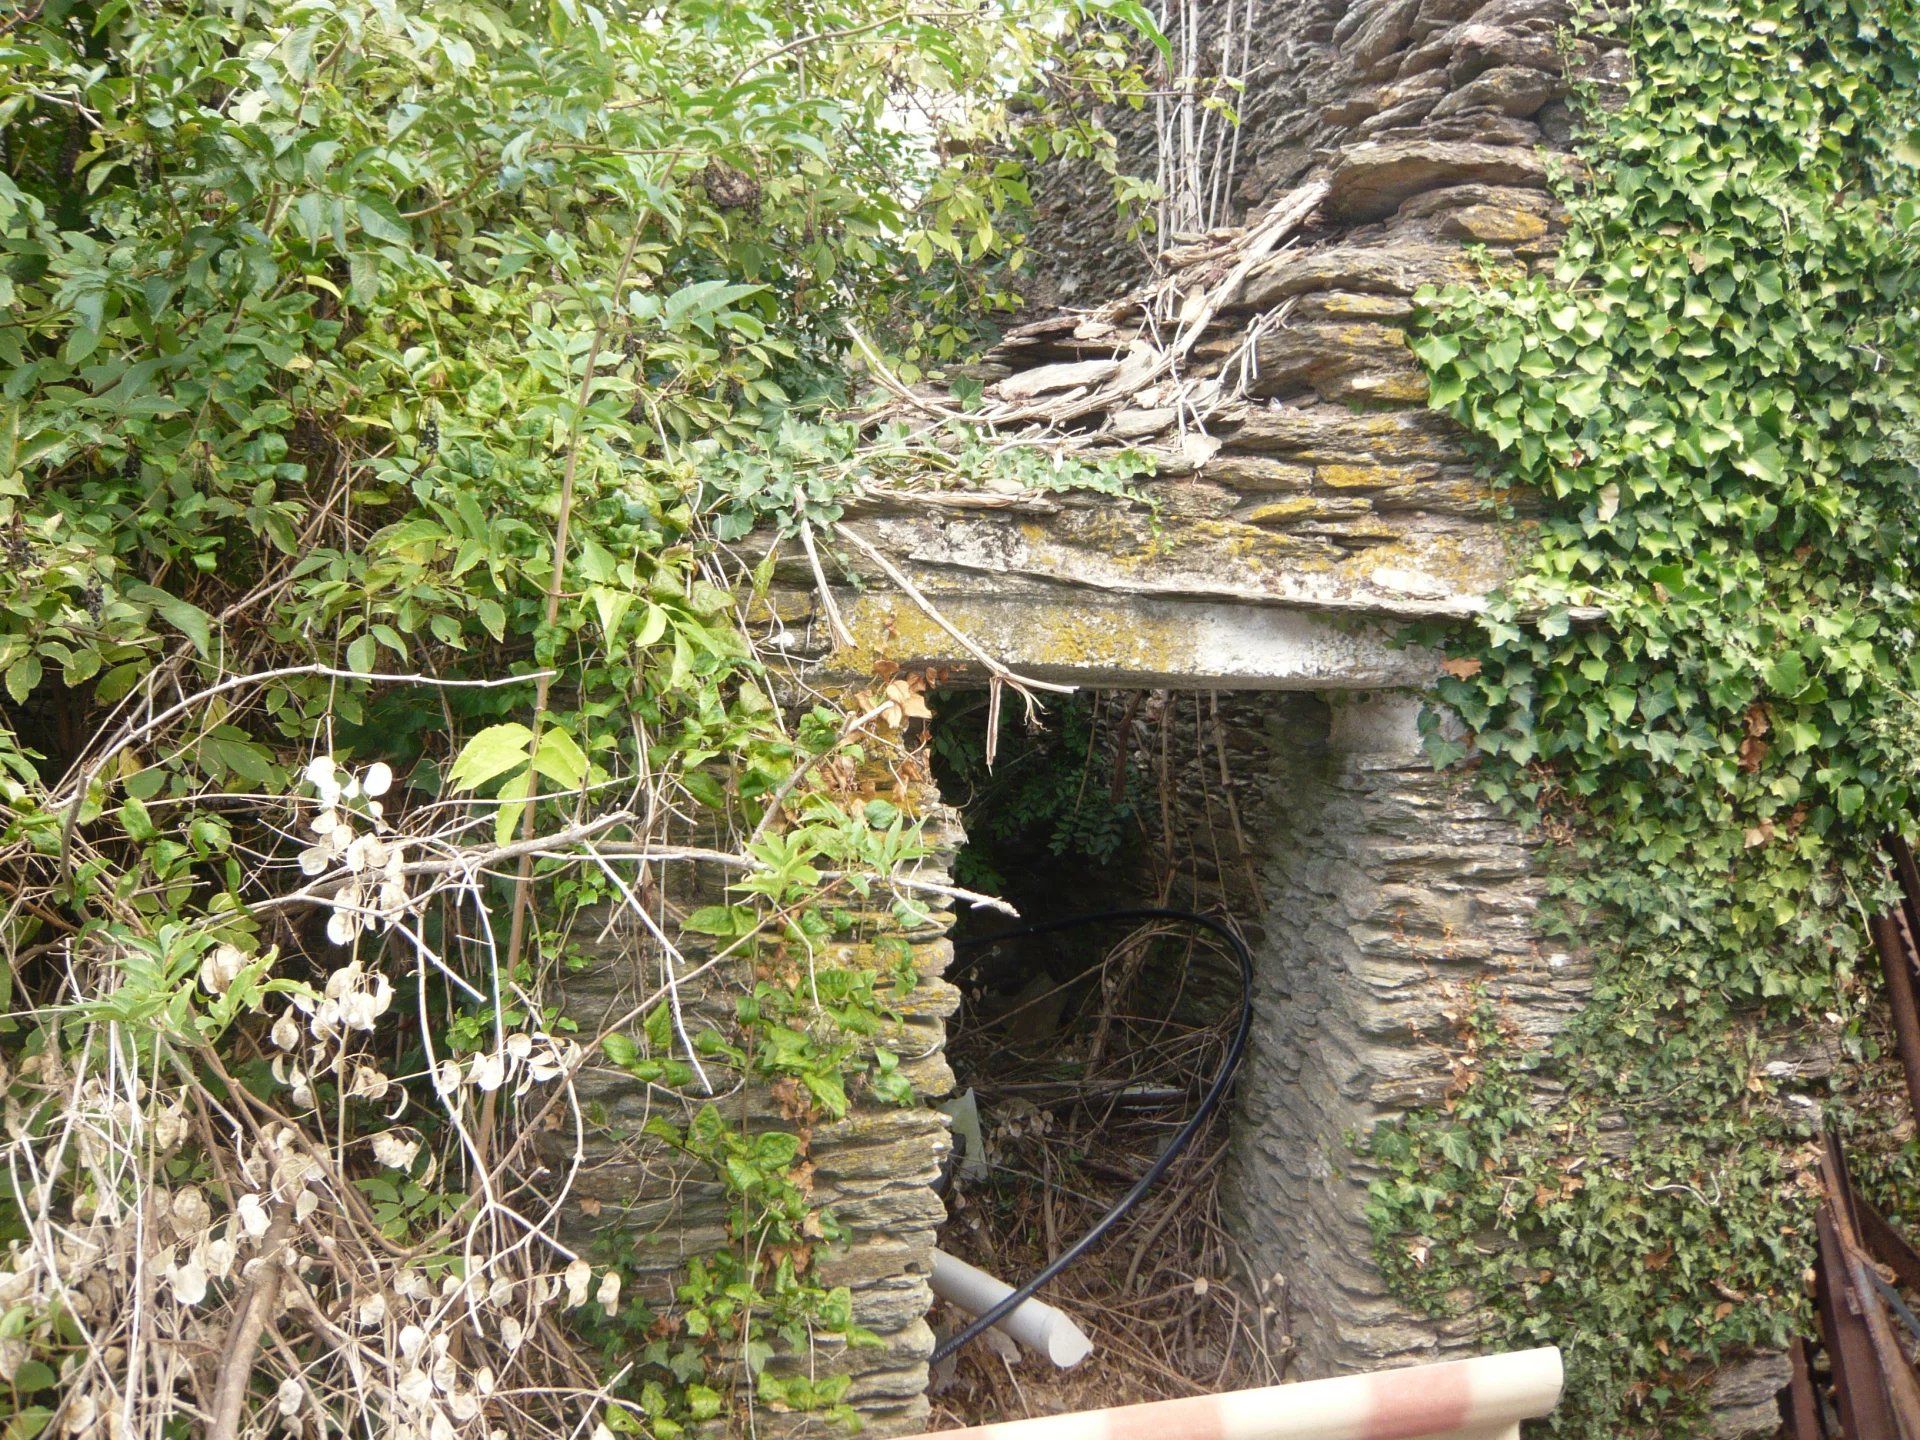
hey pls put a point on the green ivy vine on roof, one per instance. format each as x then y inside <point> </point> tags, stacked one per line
<point>1701,686</point>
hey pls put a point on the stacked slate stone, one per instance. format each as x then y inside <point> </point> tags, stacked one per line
<point>875,1169</point>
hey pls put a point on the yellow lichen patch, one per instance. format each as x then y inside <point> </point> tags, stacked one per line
<point>1371,477</point>
<point>1357,305</point>
<point>1045,635</point>
<point>1281,511</point>
<point>1407,386</point>
<point>1497,225</point>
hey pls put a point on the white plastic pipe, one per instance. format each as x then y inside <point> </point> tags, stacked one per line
<point>1482,1399</point>
<point>1034,1323</point>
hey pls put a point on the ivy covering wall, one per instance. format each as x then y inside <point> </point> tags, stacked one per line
<point>1702,685</point>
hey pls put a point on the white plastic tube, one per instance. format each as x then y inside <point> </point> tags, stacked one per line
<point>1034,1323</point>
<point>1481,1399</point>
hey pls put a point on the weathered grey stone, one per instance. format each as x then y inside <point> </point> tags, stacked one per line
<point>1510,89</point>
<point>1742,1397</point>
<point>1372,181</point>
<point>1378,267</point>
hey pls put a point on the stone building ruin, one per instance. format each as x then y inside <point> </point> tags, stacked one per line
<point>1307,508</point>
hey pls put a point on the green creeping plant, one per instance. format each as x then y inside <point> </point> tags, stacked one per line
<point>1714,395</point>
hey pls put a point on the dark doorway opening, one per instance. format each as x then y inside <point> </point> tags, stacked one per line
<point>1081,1053</point>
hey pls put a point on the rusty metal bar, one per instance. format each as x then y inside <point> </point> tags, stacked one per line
<point>1888,1245</point>
<point>1890,938</point>
<point>1862,1400</point>
<point>1800,1402</point>
<point>1873,1384</point>
<point>1903,973</point>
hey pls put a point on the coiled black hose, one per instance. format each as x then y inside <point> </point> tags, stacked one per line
<point>1208,1102</point>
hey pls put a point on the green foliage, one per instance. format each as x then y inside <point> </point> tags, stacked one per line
<point>807,468</point>
<point>1053,791</point>
<point>378,379</point>
<point>1702,683</point>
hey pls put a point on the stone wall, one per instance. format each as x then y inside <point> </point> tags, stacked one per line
<point>1388,890</point>
<point>1322,75</point>
<point>1307,502</point>
<point>875,1169</point>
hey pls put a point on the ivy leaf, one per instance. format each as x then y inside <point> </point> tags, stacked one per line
<point>1786,675</point>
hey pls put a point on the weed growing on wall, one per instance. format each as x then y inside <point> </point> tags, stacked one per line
<point>369,373</point>
<point>1703,684</point>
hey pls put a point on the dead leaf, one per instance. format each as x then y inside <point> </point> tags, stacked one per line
<point>1753,749</point>
<point>1462,669</point>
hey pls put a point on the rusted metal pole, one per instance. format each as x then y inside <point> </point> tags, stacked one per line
<point>1799,1404</point>
<point>1864,1413</point>
<point>1896,962</point>
<point>1480,1399</point>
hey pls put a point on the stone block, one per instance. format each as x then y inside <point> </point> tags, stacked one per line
<point>1372,181</point>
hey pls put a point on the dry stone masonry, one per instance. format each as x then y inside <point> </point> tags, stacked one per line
<point>874,1170</point>
<point>1306,502</point>
<point>1306,505</point>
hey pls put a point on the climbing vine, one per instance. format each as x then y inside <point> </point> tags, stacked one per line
<point>1702,687</point>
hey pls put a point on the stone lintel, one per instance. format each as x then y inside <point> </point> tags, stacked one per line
<point>1142,643</point>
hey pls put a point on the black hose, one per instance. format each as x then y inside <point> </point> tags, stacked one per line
<point>1208,1104</point>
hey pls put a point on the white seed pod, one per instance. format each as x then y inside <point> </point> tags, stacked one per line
<point>315,859</point>
<point>394,1150</point>
<point>169,1128</point>
<point>189,1282</point>
<point>286,1031</point>
<point>320,774</point>
<point>305,1203</point>
<point>393,899</point>
<point>372,1310</point>
<point>578,1275</point>
<point>378,779</point>
<point>82,1413</point>
<point>609,1293</point>
<point>218,1256</point>
<point>190,1212</point>
<point>463,1406</point>
<point>412,1339</point>
<point>252,1216</point>
<point>511,1333</point>
<point>220,967</point>
<point>342,926</point>
<point>415,1388</point>
<point>489,1072</point>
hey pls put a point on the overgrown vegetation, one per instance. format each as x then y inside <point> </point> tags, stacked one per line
<point>1069,793</point>
<point>1703,687</point>
<point>372,373</point>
